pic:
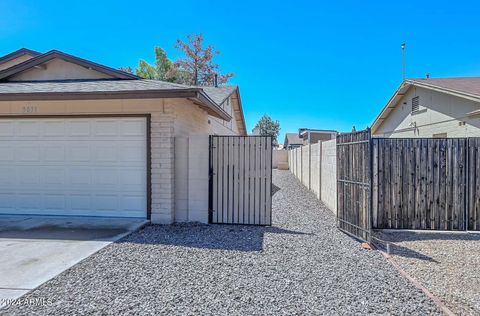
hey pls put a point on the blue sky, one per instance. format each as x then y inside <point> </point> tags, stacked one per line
<point>328,65</point>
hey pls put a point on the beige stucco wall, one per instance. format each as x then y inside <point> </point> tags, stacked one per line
<point>15,61</point>
<point>176,125</point>
<point>58,69</point>
<point>439,113</point>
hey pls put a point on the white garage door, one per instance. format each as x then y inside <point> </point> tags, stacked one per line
<point>73,166</point>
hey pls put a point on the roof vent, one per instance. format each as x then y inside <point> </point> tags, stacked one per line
<point>415,104</point>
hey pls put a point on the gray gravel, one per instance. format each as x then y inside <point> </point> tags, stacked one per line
<point>447,264</point>
<point>302,265</point>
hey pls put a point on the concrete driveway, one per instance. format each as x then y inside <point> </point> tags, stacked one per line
<point>35,249</point>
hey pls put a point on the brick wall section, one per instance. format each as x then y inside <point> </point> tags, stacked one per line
<point>162,166</point>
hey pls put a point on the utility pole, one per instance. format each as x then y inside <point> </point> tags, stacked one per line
<point>403,61</point>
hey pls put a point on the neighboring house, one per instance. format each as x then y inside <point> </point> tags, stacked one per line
<point>80,138</point>
<point>433,107</point>
<point>313,136</point>
<point>292,140</point>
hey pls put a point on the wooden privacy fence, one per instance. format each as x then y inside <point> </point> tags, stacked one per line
<point>419,183</point>
<point>354,184</point>
<point>240,180</point>
<point>415,183</point>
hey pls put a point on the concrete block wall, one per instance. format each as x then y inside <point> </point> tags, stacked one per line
<point>305,176</point>
<point>315,166</point>
<point>329,174</point>
<point>198,164</point>
<point>279,157</point>
<point>191,179</point>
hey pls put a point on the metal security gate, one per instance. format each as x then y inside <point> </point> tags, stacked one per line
<point>240,180</point>
<point>354,186</point>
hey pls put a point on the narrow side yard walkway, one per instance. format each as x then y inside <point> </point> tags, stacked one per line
<point>301,265</point>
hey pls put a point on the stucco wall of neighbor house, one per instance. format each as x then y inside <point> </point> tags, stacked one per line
<point>222,127</point>
<point>58,69</point>
<point>15,61</point>
<point>329,174</point>
<point>316,168</point>
<point>439,113</point>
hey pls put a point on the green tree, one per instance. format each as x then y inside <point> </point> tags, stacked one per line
<point>163,69</point>
<point>268,127</point>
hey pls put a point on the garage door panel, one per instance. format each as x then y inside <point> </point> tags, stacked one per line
<point>53,153</point>
<point>106,202</point>
<point>132,153</point>
<point>105,178</point>
<point>29,201</point>
<point>80,202</point>
<point>87,166</point>
<point>105,152</point>
<point>78,127</point>
<point>7,128</point>
<point>54,177</point>
<point>27,153</point>
<point>105,128</point>
<point>55,128</point>
<point>79,152</point>
<point>133,128</point>
<point>80,176</point>
<point>54,202</point>
<point>27,176</point>
<point>28,128</point>
<point>133,202</point>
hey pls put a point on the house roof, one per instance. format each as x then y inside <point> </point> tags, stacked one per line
<point>464,87</point>
<point>121,85</point>
<point>18,53</point>
<point>43,58</point>
<point>107,88</point>
<point>292,138</point>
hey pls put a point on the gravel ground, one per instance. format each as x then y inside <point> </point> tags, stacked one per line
<point>302,265</point>
<point>447,264</point>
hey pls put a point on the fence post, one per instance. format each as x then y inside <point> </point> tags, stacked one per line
<point>320,166</point>
<point>309,166</point>
<point>301,164</point>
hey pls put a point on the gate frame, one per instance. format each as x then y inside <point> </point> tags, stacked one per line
<point>367,186</point>
<point>211,174</point>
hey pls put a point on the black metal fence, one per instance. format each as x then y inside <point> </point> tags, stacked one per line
<point>354,173</point>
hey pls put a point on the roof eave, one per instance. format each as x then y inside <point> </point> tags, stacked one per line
<point>194,93</point>
<point>210,106</point>
<point>399,93</point>
<point>43,58</point>
<point>18,53</point>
